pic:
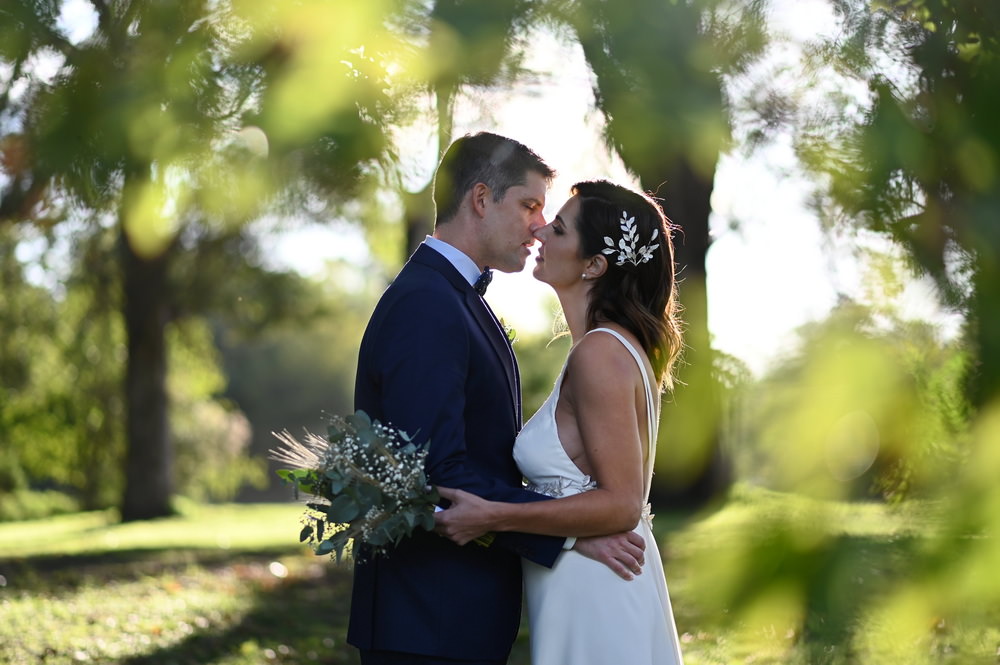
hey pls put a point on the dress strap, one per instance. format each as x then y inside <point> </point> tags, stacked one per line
<point>651,419</point>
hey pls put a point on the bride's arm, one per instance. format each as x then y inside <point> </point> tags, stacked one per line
<point>600,382</point>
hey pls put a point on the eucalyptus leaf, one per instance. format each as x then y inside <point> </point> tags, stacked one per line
<point>306,533</point>
<point>325,547</point>
<point>369,495</point>
<point>395,526</point>
<point>336,483</point>
<point>378,536</point>
<point>343,509</point>
<point>361,419</point>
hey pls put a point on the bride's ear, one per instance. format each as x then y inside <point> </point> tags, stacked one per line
<point>596,266</point>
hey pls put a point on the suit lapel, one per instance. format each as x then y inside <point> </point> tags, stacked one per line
<point>498,340</point>
<point>484,317</point>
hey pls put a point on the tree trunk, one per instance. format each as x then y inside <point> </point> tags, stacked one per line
<point>690,467</point>
<point>148,465</point>
<point>418,207</point>
<point>418,215</point>
<point>666,119</point>
<point>984,381</point>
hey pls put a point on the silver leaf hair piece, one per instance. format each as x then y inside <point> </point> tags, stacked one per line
<point>627,249</point>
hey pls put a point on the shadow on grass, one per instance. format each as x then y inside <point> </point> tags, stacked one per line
<point>298,621</point>
<point>67,572</point>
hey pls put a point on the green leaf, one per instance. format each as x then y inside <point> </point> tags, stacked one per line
<point>337,483</point>
<point>306,533</point>
<point>378,536</point>
<point>343,509</point>
<point>293,475</point>
<point>397,526</point>
<point>369,495</point>
<point>324,547</point>
<point>360,420</point>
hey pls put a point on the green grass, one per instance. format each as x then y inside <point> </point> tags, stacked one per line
<point>220,584</point>
<point>766,579</point>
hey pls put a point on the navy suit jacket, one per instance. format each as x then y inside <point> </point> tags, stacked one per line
<point>434,363</point>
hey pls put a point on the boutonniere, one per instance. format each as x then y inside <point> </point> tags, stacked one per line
<point>508,331</point>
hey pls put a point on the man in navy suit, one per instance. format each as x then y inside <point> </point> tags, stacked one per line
<point>435,362</point>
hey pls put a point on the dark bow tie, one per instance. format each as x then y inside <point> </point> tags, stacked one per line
<point>483,281</point>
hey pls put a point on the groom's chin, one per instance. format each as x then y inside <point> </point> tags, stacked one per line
<point>513,268</point>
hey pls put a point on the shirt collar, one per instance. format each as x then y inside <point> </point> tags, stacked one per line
<point>463,264</point>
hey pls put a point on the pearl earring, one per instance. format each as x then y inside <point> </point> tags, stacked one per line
<point>583,276</point>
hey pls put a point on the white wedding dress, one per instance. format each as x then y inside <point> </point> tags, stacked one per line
<point>580,612</point>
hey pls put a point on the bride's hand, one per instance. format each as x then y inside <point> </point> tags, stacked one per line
<point>466,519</point>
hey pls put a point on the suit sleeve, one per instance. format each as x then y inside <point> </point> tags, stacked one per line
<point>422,352</point>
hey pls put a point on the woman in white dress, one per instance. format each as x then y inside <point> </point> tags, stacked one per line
<point>609,258</point>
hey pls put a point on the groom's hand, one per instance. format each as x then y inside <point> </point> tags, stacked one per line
<point>623,553</point>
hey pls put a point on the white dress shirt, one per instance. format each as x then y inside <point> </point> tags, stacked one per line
<point>463,264</point>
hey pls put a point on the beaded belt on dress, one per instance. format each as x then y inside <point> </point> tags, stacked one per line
<point>558,487</point>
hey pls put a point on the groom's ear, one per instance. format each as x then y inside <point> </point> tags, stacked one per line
<point>480,192</point>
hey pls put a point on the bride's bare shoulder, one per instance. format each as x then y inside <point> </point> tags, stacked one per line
<point>601,357</point>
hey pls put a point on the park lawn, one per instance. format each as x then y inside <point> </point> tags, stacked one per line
<point>766,578</point>
<point>217,584</point>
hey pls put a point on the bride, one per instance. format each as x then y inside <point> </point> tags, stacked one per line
<point>609,258</point>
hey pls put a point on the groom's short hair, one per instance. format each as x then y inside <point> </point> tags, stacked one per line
<point>496,161</point>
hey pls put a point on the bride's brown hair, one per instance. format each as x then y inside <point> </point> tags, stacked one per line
<point>640,297</point>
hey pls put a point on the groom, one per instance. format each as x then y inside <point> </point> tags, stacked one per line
<point>435,362</point>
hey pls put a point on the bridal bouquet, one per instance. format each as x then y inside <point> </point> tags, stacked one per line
<point>367,480</point>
